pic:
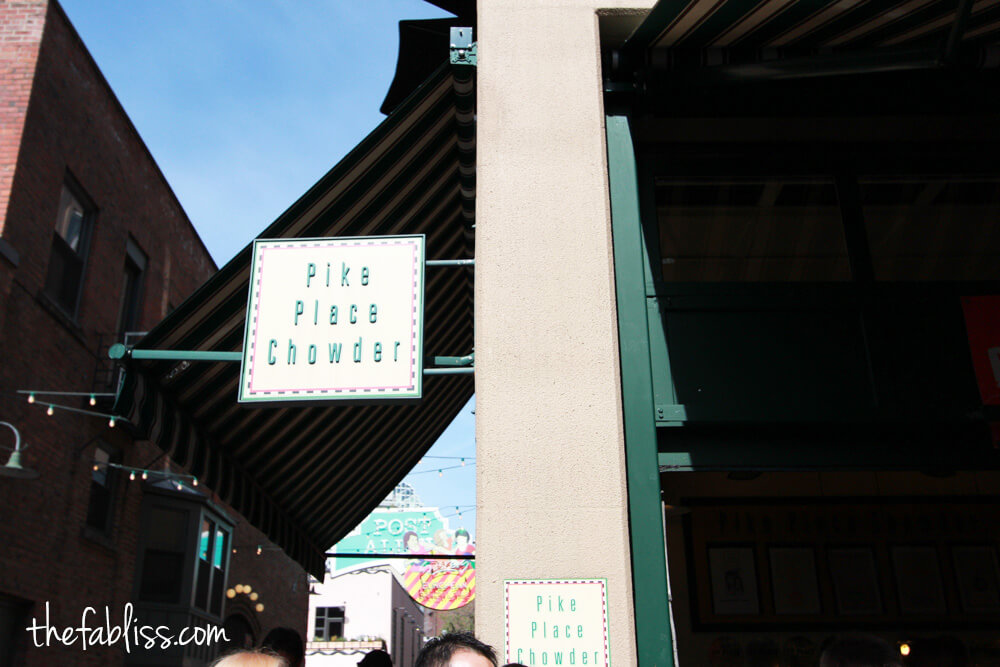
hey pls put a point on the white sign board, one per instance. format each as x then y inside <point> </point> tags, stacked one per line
<point>334,318</point>
<point>556,622</point>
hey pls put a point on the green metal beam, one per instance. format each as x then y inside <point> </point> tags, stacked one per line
<point>119,351</point>
<point>649,584</point>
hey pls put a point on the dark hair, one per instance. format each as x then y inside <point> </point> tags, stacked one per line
<point>287,643</point>
<point>462,531</point>
<point>438,651</point>
<point>376,658</point>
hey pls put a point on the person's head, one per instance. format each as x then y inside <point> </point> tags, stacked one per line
<point>376,658</point>
<point>411,541</point>
<point>456,649</point>
<point>288,644</point>
<point>442,538</point>
<point>251,658</point>
<point>461,538</point>
<point>859,651</point>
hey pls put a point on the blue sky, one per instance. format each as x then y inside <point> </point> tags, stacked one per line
<point>245,104</point>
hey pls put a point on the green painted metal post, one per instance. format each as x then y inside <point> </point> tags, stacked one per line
<point>649,569</point>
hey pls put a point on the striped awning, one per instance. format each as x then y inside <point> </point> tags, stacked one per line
<point>765,29</point>
<point>306,476</point>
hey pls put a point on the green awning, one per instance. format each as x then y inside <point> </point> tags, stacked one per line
<point>812,25</point>
<point>306,476</point>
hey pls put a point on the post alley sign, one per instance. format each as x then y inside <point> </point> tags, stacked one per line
<point>334,319</point>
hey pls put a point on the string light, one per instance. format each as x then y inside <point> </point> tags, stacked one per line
<point>194,481</point>
<point>31,398</point>
<point>111,423</point>
<point>51,411</point>
<point>440,473</point>
<point>463,462</point>
<point>259,607</point>
<point>96,467</point>
<point>259,549</point>
<point>145,475</point>
<point>131,476</point>
<point>93,400</point>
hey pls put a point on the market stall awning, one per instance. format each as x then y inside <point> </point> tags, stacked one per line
<point>814,25</point>
<point>306,476</point>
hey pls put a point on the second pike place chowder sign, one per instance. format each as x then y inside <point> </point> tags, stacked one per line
<point>334,318</point>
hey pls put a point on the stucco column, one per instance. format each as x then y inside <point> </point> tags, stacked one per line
<point>552,499</point>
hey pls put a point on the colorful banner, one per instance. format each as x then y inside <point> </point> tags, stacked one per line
<point>435,583</point>
<point>441,584</point>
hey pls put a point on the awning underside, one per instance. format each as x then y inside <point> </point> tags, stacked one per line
<point>772,26</point>
<point>306,476</point>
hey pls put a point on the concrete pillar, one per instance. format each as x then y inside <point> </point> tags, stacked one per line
<point>552,500</point>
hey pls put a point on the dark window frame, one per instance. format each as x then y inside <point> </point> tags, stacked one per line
<point>103,524</point>
<point>323,617</point>
<point>195,510</point>
<point>133,289</point>
<point>65,288</point>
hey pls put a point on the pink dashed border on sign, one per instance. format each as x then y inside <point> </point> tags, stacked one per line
<point>506,606</point>
<point>413,320</point>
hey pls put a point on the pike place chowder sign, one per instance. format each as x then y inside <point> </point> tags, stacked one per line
<point>334,318</point>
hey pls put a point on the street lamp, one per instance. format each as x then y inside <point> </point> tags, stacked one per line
<point>14,467</point>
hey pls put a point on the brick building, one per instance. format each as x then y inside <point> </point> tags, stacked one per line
<point>94,244</point>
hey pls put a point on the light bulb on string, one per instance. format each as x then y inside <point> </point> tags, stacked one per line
<point>440,473</point>
<point>31,398</point>
<point>111,423</point>
<point>131,476</point>
<point>96,467</point>
<point>194,481</point>
<point>93,400</point>
<point>145,474</point>
<point>463,462</point>
<point>259,549</point>
<point>51,411</point>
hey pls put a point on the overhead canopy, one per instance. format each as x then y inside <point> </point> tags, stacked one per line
<point>687,57</point>
<point>813,24</point>
<point>306,476</point>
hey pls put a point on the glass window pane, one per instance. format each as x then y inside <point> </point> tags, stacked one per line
<point>933,228</point>
<point>207,530</point>
<point>740,230</point>
<point>163,560</point>
<point>100,474</point>
<point>167,529</point>
<point>69,224</point>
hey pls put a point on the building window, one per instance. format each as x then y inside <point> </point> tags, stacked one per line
<point>70,242</point>
<point>185,550</point>
<point>132,288</point>
<point>329,623</point>
<point>163,560</point>
<point>213,546</point>
<point>103,483</point>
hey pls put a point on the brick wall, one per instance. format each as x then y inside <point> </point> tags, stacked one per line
<point>73,125</point>
<point>21,24</point>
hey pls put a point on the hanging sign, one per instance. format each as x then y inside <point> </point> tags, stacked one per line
<point>436,583</point>
<point>334,318</point>
<point>556,622</point>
